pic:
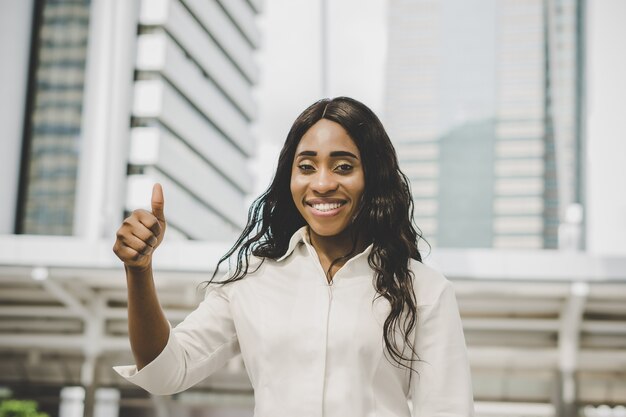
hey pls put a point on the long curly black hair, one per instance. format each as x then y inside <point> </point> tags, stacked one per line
<point>383,219</point>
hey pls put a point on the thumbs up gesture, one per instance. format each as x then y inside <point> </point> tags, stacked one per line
<point>141,233</point>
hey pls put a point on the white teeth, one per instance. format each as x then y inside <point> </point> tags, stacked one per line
<point>326,207</point>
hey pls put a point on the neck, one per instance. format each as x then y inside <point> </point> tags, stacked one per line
<point>334,247</point>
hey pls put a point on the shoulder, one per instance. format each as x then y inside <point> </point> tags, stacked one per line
<point>224,283</point>
<point>428,283</point>
<point>255,266</point>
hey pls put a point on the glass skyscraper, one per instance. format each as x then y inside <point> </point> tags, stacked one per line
<point>153,91</point>
<point>53,129</point>
<point>483,103</point>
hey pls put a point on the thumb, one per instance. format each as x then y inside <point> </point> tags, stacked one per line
<point>158,202</point>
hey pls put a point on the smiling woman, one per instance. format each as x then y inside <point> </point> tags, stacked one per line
<point>329,303</point>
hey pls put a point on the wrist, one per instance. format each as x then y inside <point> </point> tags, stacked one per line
<point>138,269</point>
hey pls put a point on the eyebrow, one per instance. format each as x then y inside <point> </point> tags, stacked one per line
<point>333,154</point>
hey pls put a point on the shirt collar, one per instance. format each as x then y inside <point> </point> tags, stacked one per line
<point>302,236</point>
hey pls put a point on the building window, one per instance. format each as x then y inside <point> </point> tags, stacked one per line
<point>52,129</point>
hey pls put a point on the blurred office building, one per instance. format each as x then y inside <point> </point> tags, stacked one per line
<point>102,98</point>
<point>117,96</point>
<point>484,102</point>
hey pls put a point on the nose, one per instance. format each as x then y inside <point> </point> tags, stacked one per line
<point>324,181</point>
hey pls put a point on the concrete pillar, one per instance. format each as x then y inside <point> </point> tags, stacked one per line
<point>565,401</point>
<point>72,402</point>
<point>107,402</point>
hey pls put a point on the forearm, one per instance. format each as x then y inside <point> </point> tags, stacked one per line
<point>147,326</point>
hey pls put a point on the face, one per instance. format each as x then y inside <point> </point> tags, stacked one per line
<point>327,179</point>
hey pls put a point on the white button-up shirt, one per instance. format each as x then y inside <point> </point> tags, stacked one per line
<point>314,349</point>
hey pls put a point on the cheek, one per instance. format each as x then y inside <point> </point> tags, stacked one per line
<point>357,185</point>
<point>295,187</point>
<point>298,181</point>
<point>359,189</point>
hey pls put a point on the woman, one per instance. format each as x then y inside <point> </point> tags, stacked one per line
<point>329,304</point>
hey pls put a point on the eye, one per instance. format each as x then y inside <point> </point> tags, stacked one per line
<point>344,168</point>
<point>306,168</point>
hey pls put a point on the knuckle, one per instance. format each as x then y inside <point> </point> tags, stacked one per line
<point>141,213</point>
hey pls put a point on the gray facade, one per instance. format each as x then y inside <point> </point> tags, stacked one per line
<point>484,102</point>
<point>124,94</point>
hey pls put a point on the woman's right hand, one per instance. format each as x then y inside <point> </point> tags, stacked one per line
<point>141,233</point>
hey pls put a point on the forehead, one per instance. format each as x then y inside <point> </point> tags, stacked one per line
<point>326,135</point>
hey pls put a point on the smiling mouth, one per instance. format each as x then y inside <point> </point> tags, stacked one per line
<point>325,207</point>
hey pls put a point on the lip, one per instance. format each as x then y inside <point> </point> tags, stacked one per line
<point>330,213</point>
<point>325,201</point>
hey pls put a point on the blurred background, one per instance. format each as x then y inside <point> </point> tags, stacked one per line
<point>508,116</point>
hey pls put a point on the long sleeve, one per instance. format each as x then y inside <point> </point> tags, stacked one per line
<point>443,387</point>
<point>196,348</point>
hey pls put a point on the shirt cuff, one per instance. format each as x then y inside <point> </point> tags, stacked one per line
<point>150,375</point>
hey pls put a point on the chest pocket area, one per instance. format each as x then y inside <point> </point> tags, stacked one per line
<point>291,321</point>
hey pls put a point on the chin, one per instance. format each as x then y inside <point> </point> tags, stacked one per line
<point>326,231</point>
